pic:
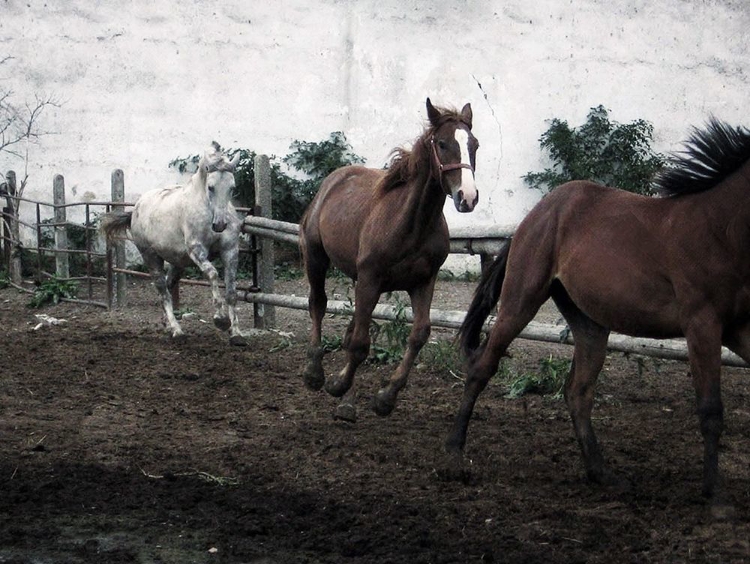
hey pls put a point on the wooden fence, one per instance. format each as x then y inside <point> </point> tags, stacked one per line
<point>102,265</point>
<point>263,231</point>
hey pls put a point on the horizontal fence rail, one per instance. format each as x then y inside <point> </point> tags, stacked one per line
<point>673,349</point>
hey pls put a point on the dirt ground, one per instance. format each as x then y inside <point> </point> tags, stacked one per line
<point>119,445</point>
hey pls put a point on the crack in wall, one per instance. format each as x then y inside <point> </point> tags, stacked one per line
<point>499,128</point>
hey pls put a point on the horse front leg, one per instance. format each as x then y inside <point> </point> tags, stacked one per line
<point>199,255</point>
<point>230,258</point>
<point>421,298</point>
<point>704,354</point>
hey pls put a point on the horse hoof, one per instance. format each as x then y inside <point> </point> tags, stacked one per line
<point>608,479</point>
<point>222,323</point>
<point>337,387</point>
<point>314,379</point>
<point>721,510</point>
<point>178,336</point>
<point>345,412</point>
<point>453,469</point>
<point>237,341</point>
<point>383,403</point>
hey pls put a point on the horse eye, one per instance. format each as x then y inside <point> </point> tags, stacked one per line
<point>442,145</point>
<point>211,189</point>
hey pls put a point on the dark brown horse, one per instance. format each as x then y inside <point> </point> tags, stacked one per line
<point>386,230</point>
<point>613,261</point>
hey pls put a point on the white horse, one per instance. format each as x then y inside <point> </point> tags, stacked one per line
<point>189,224</point>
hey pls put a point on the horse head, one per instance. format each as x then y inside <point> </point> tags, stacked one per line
<point>217,174</point>
<point>453,150</point>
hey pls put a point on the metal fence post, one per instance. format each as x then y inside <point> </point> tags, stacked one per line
<point>62,262</point>
<point>265,315</point>
<point>119,279</point>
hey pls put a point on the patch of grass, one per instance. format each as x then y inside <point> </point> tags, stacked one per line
<point>549,380</point>
<point>287,271</point>
<point>332,344</point>
<point>465,276</point>
<point>52,290</point>
<point>179,313</point>
<point>443,354</point>
<point>389,339</point>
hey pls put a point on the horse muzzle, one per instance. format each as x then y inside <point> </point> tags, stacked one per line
<point>465,202</point>
<point>219,226</point>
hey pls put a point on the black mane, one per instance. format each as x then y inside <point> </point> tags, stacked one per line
<point>710,156</point>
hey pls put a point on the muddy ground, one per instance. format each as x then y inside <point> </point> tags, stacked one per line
<point>119,445</point>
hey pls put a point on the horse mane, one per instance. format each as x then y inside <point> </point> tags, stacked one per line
<point>408,164</point>
<point>710,156</point>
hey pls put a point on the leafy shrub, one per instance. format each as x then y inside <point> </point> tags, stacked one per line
<point>291,195</point>
<point>600,150</point>
<point>76,241</point>
<point>51,291</point>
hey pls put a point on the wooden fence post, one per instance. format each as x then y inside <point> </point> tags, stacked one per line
<point>119,279</point>
<point>265,315</point>
<point>62,262</point>
<point>5,227</point>
<point>15,231</point>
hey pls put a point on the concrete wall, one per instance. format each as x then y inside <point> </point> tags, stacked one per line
<point>145,81</point>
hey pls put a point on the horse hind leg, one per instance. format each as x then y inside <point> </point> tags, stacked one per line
<point>316,267</point>
<point>358,345</point>
<point>421,298</point>
<point>588,358</point>
<point>346,410</point>
<point>155,265</point>
<point>174,274</point>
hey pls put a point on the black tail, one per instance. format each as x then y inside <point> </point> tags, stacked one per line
<point>115,224</point>
<point>485,299</point>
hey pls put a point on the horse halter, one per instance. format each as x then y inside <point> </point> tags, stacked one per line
<point>443,168</point>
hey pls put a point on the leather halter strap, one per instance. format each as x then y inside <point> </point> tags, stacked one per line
<point>443,168</point>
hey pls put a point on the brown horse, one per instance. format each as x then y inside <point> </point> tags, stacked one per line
<point>613,261</point>
<point>386,230</point>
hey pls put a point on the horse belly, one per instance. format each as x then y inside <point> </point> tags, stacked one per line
<point>626,300</point>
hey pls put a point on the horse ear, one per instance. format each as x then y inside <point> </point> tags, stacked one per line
<point>466,115</point>
<point>203,166</point>
<point>235,160</point>
<point>433,114</point>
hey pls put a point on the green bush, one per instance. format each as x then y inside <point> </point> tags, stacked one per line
<point>51,291</point>
<point>600,150</point>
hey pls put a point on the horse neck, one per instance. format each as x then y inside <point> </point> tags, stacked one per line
<point>725,207</point>
<point>424,203</point>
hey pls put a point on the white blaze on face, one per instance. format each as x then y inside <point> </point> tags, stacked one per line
<point>465,195</point>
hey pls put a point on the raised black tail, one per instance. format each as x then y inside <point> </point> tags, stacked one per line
<point>115,224</point>
<point>484,301</point>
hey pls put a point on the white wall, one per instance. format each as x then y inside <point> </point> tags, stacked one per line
<point>146,81</point>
